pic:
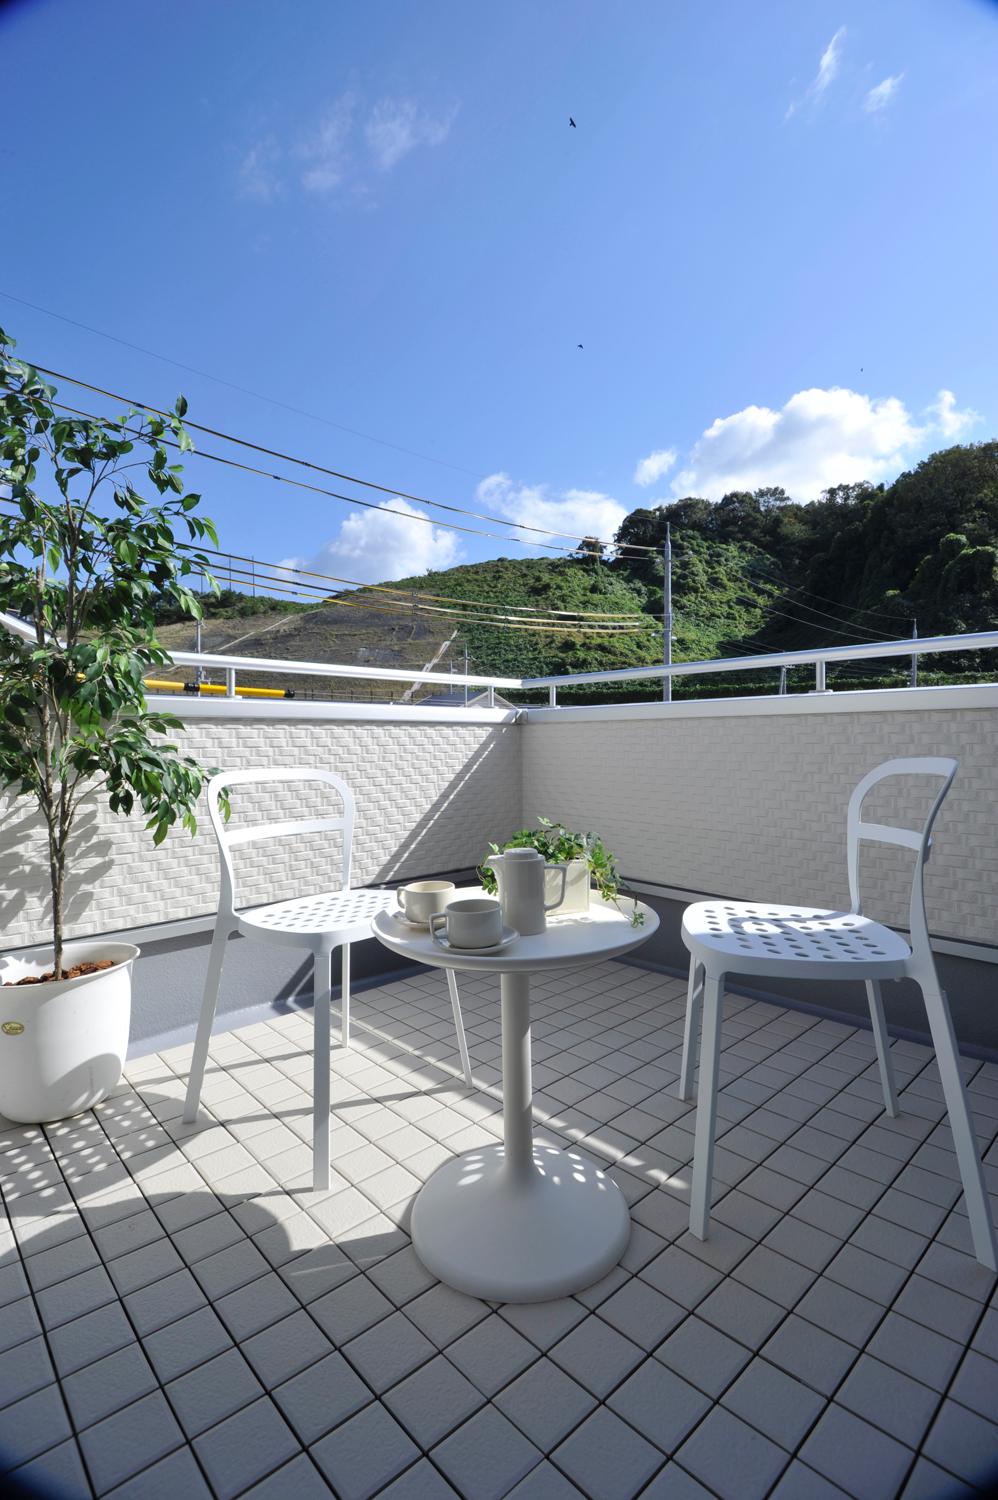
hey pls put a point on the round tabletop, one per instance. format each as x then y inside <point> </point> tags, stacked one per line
<point>605,931</point>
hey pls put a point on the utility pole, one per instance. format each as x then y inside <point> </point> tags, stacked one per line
<point>466,674</point>
<point>667,611</point>
<point>913,673</point>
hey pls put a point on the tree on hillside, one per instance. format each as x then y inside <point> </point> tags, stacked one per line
<point>952,491</point>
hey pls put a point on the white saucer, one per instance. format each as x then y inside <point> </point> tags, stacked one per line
<point>509,935</point>
<point>406,922</point>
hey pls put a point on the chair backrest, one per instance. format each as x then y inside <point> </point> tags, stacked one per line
<point>288,828</point>
<point>920,841</point>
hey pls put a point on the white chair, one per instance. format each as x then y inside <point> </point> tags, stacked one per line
<point>321,923</point>
<point>798,942</point>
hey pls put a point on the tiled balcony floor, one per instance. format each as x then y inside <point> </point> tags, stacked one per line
<point>182,1317</point>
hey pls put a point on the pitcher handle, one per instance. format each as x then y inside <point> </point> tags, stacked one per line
<point>562,870</point>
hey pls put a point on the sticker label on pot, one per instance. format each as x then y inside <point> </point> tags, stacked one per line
<point>12,1028</point>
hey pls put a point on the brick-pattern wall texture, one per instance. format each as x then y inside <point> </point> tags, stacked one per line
<point>754,806</point>
<point>429,798</point>
<point>743,806</point>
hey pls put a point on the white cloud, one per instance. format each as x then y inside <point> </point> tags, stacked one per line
<point>576,513</point>
<point>327,150</point>
<point>344,148</point>
<point>828,67</point>
<point>373,546</point>
<point>817,439</point>
<point>949,419</point>
<point>398,126</point>
<point>881,95</point>
<point>259,170</point>
<point>654,466</point>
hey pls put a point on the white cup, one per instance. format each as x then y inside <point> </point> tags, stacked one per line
<point>475,922</point>
<point>421,898</point>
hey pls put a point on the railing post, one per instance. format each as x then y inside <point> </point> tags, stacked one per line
<point>230,682</point>
<point>491,696</point>
<point>819,677</point>
<point>667,613</point>
<point>552,696</point>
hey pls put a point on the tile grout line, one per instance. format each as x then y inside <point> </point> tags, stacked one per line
<point>639,1063</point>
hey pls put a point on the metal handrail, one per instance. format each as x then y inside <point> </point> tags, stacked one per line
<point>981,640</point>
<point>819,657</point>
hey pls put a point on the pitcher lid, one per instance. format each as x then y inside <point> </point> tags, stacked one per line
<point>521,854</point>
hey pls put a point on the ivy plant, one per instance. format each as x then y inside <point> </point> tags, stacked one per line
<point>558,844</point>
<point>84,556</point>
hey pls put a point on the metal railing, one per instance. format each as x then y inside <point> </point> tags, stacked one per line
<point>820,658</point>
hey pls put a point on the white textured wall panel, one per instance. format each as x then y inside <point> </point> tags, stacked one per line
<point>753,805</point>
<point>741,804</point>
<point>429,797</point>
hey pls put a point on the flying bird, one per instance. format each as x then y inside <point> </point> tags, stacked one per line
<point>572,123</point>
<point>578,346</point>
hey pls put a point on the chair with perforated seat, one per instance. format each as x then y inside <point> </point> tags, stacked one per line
<point>320,923</point>
<point>799,942</point>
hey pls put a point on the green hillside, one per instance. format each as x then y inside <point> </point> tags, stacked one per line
<point>713,605</point>
<point>754,572</point>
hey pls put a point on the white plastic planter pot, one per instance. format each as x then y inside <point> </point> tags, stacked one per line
<point>63,1043</point>
<point>577,884</point>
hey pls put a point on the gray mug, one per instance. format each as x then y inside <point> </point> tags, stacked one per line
<point>474,922</point>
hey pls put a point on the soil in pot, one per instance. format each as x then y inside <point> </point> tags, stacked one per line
<point>73,973</point>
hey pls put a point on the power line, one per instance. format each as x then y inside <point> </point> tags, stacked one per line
<point>260,574</point>
<point>242,389</point>
<point>385,588</point>
<point>305,463</point>
<point>415,596</point>
<point>813,624</point>
<point>791,588</point>
<point>301,484</point>
<point>554,627</point>
<point>859,629</point>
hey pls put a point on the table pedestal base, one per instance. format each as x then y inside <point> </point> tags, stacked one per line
<point>523,1235</point>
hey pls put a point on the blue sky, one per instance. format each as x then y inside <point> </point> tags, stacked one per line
<point>773,231</point>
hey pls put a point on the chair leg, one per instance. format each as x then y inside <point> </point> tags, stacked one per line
<point>462,1045</point>
<point>960,1122</point>
<point>345,997</point>
<point>321,987</point>
<point>694,1008</point>
<point>882,1041</point>
<point>703,1143</point>
<point>208,1002</point>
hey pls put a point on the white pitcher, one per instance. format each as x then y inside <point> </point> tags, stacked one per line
<point>520,873</point>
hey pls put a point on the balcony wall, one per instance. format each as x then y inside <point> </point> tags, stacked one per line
<point>429,796</point>
<point>733,797</point>
<point>747,799</point>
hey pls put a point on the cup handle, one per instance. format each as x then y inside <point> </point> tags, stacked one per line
<point>436,918</point>
<point>561,870</point>
<point>399,892</point>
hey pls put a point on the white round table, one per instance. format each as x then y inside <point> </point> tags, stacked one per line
<point>518,1222</point>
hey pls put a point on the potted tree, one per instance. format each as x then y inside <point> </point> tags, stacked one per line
<point>83,559</point>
